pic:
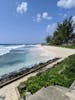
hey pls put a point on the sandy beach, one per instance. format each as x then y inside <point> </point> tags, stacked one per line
<point>10,91</point>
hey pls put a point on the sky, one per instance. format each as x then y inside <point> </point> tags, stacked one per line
<point>30,21</point>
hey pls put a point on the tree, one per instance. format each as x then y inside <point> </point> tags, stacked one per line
<point>64,30</point>
<point>67,28</point>
<point>57,38</point>
<point>49,39</point>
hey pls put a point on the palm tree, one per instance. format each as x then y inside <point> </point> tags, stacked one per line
<point>64,30</point>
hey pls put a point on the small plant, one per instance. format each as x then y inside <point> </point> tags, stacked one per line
<point>52,77</point>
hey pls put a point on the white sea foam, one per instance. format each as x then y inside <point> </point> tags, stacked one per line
<point>7,49</point>
<point>32,54</point>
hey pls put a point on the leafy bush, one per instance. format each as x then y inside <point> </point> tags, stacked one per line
<point>53,76</point>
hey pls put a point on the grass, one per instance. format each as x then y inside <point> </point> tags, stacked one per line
<point>63,74</point>
<point>69,46</point>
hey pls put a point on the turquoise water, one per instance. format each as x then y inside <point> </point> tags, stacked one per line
<point>16,57</point>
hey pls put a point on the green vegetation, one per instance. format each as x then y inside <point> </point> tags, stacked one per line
<point>63,34</point>
<point>48,39</point>
<point>69,46</point>
<point>62,74</point>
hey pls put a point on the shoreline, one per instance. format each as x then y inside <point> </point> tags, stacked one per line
<point>13,76</point>
<point>9,91</point>
<point>10,67</point>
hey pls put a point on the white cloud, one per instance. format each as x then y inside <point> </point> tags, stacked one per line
<point>65,15</point>
<point>42,16</point>
<point>73,19</point>
<point>66,4</point>
<point>51,28</point>
<point>38,17</point>
<point>45,15</point>
<point>22,8</point>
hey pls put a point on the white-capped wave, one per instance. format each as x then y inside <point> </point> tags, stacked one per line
<point>7,49</point>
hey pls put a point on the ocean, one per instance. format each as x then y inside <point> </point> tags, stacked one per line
<point>15,57</point>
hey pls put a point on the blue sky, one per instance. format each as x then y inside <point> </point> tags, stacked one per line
<point>30,21</point>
